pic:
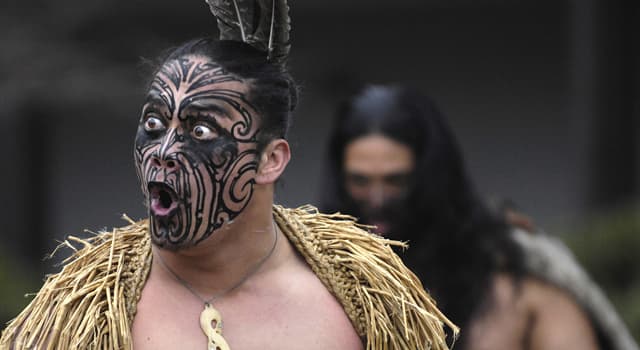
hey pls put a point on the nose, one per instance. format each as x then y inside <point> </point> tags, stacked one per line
<point>376,196</point>
<point>164,162</point>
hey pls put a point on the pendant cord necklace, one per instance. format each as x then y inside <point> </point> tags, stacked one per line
<point>210,318</point>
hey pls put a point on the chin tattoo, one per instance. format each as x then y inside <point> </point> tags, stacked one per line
<point>195,151</point>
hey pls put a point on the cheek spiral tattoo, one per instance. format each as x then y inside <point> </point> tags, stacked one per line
<point>196,169</point>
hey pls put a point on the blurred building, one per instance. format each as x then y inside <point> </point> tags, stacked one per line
<point>543,95</point>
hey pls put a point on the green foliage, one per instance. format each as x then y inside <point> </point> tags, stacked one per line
<point>609,249</point>
<point>15,282</point>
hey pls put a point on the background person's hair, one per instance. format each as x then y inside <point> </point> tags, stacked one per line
<point>456,243</point>
<point>272,88</point>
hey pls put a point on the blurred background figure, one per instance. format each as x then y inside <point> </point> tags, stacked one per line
<point>394,163</point>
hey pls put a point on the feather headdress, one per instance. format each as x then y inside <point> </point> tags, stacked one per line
<point>263,24</point>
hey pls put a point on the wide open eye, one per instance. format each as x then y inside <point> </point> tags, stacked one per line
<point>153,124</point>
<point>204,133</point>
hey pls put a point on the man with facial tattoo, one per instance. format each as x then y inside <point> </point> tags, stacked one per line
<point>394,164</point>
<point>217,265</point>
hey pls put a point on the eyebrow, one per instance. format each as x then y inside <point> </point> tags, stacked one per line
<point>154,99</point>
<point>206,105</point>
<point>155,107</point>
<point>398,174</point>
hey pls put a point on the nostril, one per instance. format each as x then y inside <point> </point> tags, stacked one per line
<point>171,164</point>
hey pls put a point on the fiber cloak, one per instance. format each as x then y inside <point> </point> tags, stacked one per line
<point>91,303</point>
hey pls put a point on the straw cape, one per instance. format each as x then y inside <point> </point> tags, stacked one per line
<point>91,303</point>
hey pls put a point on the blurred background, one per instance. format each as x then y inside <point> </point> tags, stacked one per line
<point>544,96</point>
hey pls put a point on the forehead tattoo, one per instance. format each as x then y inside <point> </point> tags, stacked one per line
<point>193,184</point>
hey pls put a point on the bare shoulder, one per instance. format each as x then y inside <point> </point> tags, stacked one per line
<point>529,314</point>
<point>560,323</point>
<point>500,323</point>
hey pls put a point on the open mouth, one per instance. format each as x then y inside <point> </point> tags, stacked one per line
<point>163,200</point>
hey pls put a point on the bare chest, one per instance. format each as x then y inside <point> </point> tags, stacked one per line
<point>161,328</point>
<point>299,315</point>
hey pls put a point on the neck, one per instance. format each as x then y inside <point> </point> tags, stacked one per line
<point>230,253</point>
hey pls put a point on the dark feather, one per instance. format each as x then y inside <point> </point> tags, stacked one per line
<point>263,24</point>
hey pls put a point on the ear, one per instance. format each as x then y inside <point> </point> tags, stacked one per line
<point>273,161</point>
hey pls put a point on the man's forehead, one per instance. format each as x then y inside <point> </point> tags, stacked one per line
<point>189,74</point>
<point>378,155</point>
<point>181,93</point>
<point>198,82</point>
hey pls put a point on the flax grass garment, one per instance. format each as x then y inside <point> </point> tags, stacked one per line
<point>91,303</point>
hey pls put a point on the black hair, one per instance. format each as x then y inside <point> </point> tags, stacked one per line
<point>273,90</point>
<point>456,243</point>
